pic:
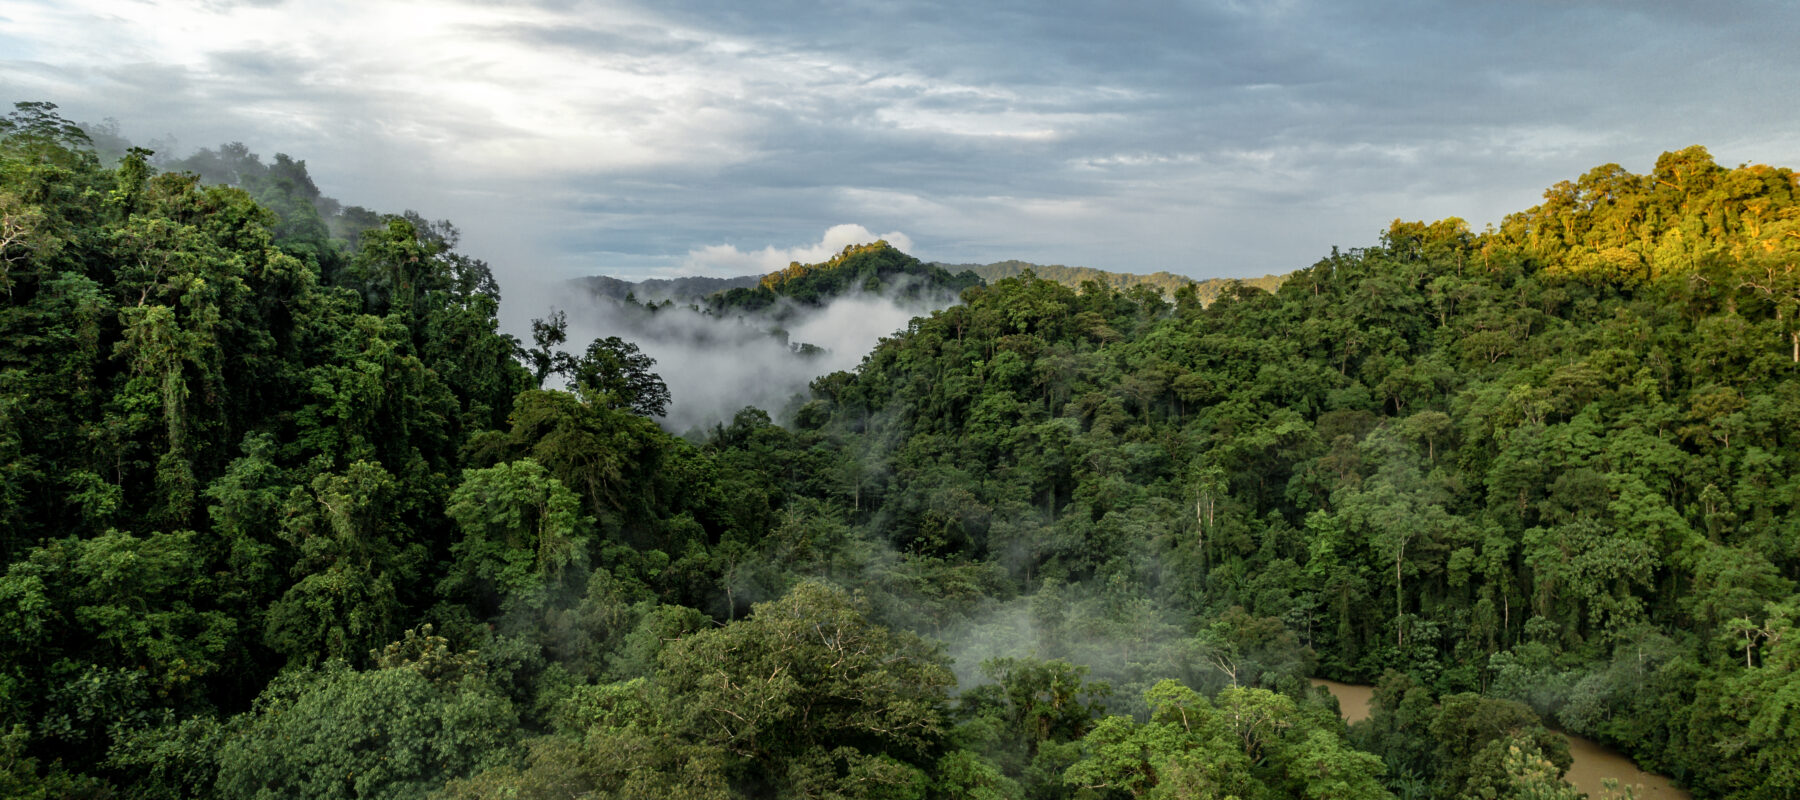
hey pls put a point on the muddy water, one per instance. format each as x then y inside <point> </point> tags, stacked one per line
<point>1593,763</point>
<point>1353,699</point>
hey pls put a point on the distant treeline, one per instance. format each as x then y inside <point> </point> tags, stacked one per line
<point>655,290</point>
<point>698,289</point>
<point>1073,277</point>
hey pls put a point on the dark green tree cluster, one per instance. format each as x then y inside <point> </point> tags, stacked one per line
<point>225,451</point>
<point>1461,745</point>
<point>242,449</point>
<point>1471,458</point>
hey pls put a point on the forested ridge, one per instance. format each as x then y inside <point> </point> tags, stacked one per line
<point>682,290</point>
<point>286,515</point>
<point>1074,277</point>
<point>697,289</point>
<point>875,268</point>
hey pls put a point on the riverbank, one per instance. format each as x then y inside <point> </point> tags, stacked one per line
<point>1593,762</point>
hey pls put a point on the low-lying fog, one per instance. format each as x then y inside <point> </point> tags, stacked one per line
<point>715,366</point>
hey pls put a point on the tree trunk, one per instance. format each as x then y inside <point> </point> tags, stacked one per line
<point>1399,602</point>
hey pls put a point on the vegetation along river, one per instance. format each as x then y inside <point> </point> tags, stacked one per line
<point>1593,763</point>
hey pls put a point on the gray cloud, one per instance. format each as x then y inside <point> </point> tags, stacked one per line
<point>1211,138</point>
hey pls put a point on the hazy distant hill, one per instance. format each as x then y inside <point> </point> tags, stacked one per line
<point>681,290</point>
<point>875,268</point>
<point>775,299</point>
<point>700,289</point>
<point>1073,277</point>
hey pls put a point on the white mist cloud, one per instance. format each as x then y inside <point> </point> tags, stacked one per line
<point>715,366</point>
<point>726,260</point>
<point>851,326</point>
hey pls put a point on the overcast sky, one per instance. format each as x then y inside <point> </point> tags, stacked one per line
<point>678,137</point>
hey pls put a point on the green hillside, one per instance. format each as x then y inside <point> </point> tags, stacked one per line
<point>874,268</point>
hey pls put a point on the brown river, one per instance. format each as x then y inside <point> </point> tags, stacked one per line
<point>1593,763</point>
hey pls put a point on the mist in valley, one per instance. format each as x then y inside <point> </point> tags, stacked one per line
<point>716,365</point>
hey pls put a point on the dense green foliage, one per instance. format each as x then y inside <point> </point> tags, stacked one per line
<point>1479,460</point>
<point>284,514</point>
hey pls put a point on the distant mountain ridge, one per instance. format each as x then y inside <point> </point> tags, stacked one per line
<point>699,290</point>
<point>877,268</point>
<point>1073,277</point>
<point>681,290</point>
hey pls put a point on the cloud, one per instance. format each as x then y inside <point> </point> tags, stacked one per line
<point>571,137</point>
<point>724,260</point>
